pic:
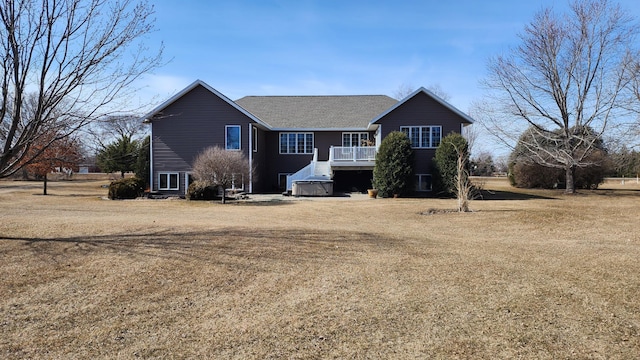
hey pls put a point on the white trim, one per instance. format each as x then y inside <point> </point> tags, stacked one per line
<point>313,141</point>
<point>321,129</point>
<point>233,182</point>
<point>169,173</point>
<point>254,137</point>
<point>251,140</point>
<point>421,127</point>
<point>187,175</point>
<point>418,181</point>
<point>430,94</point>
<point>151,188</point>
<point>226,137</point>
<point>285,174</point>
<point>351,133</point>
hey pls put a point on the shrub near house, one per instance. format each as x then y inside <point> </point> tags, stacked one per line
<point>129,188</point>
<point>393,172</point>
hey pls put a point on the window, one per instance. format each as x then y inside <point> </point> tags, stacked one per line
<point>355,139</point>
<point>168,181</point>
<point>423,137</point>
<point>188,179</point>
<point>296,143</point>
<point>423,182</point>
<point>282,181</point>
<point>232,137</point>
<point>237,182</point>
<point>255,139</point>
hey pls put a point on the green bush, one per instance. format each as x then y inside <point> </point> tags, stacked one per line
<point>590,177</point>
<point>393,172</point>
<point>532,175</point>
<point>129,188</point>
<point>531,169</point>
<point>200,190</point>
<point>143,167</point>
<point>445,163</point>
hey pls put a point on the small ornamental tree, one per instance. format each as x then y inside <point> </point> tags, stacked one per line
<point>59,154</point>
<point>445,162</point>
<point>221,168</point>
<point>393,172</point>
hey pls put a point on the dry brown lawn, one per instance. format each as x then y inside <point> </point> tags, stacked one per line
<point>528,274</point>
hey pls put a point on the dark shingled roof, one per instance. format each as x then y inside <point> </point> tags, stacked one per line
<point>317,112</point>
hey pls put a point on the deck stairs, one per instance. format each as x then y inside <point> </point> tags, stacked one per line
<point>316,170</point>
<point>344,158</point>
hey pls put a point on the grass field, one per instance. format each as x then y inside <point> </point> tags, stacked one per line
<point>528,274</point>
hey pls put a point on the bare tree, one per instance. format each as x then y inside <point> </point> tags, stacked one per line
<point>405,90</point>
<point>482,164</point>
<point>570,73</point>
<point>64,64</point>
<point>471,134</point>
<point>464,188</point>
<point>109,129</point>
<point>221,168</point>
<point>439,91</point>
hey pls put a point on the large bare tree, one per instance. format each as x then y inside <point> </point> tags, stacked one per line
<point>66,63</point>
<point>109,129</point>
<point>570,73</point>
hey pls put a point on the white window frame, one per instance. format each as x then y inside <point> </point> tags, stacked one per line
<point>419,181</point>
<point>422,131</point>
<point>281,177</point>
<point>168,175</point>
<point>254,145</point>
<point>294,149</point>
<point>233,182</point>
<point>362,136</point>
<point>226,137</point>
<point>188,179</point>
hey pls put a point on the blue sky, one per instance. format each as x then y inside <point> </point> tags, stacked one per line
<point>287,47</point>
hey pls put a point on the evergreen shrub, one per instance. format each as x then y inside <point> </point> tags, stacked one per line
<point>200,190</point>
<point>129,188</point>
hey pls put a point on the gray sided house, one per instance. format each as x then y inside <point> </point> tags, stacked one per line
<point>294,138</point>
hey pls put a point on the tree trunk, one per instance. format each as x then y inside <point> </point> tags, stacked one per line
<point>462,185</point>
<point>223,193</point>
<point>44,189</point>
<point>570,186</point>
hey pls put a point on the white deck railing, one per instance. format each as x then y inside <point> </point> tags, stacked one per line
<point>356,153</point>
<point>302,174</point>
<point>305,172</point>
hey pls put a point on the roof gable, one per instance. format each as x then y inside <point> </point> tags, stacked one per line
<point>158,110</point>
<point>435,97</point>
<point>310,112</point>
<point>317,112</point>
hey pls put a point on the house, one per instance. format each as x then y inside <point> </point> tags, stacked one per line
<point>288,138</point>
